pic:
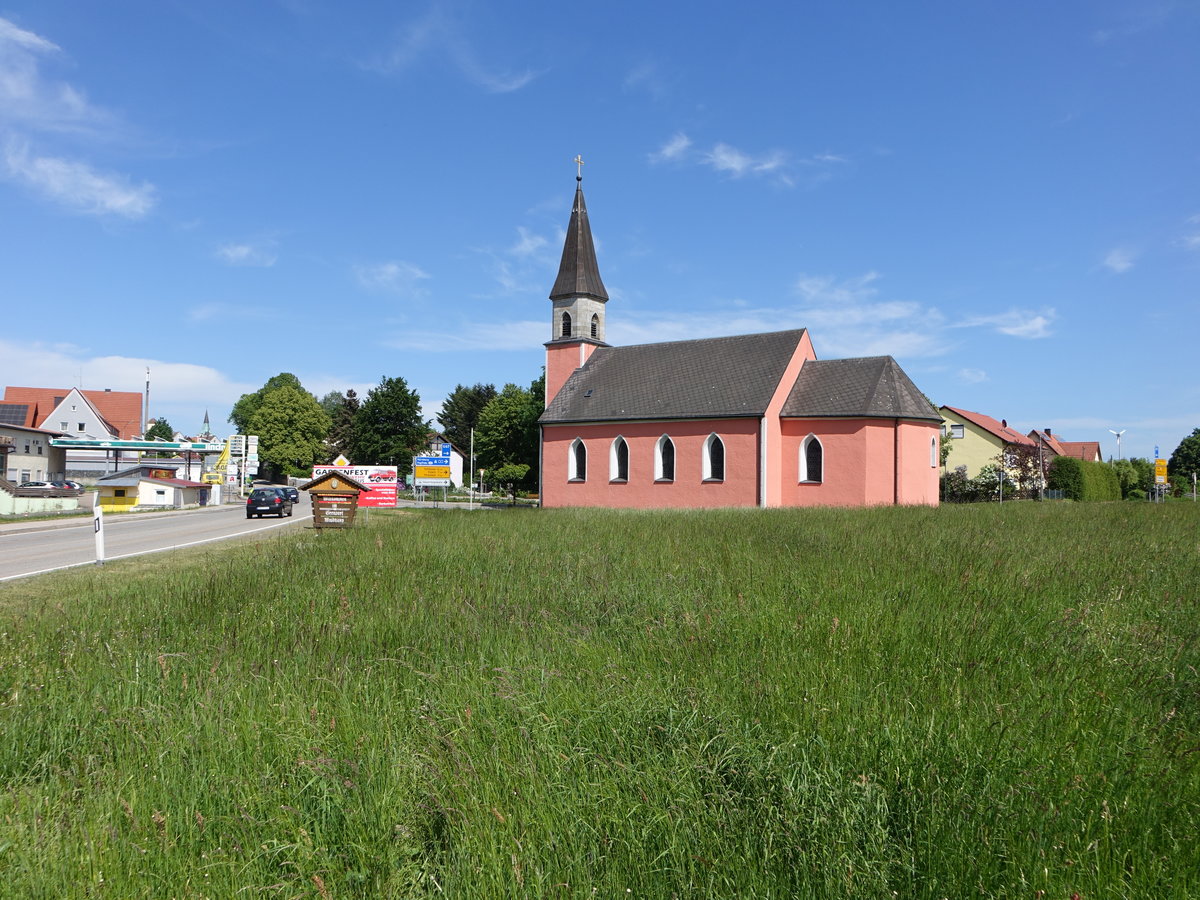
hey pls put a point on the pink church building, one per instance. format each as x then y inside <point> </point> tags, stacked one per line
<point>749,420</point>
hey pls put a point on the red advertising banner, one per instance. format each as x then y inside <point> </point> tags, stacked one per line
<point>380,480</point>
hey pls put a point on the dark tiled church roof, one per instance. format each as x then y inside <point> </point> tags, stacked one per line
<point>578,273</point>
<point>873,386</point>
<point>711,377</point>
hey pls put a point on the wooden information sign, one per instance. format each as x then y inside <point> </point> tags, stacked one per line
<point>334,499</point>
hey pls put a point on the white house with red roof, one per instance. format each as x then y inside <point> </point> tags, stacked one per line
<point>80,414</point>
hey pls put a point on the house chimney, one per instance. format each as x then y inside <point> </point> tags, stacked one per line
<point>1004,423</point>
<point>108,390</point>
<point>1048,434</point>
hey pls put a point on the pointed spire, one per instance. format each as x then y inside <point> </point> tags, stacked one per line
<point>578,273</point>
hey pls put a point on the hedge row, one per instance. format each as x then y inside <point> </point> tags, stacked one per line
<point>1083,480</point>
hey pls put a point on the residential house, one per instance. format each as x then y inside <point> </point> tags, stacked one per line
<point>91,415</point>
<point>978,440</point>
<point>1086,450</point>
<point>27,454</point>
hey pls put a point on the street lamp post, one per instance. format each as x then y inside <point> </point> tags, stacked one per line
<point>1118,434</point>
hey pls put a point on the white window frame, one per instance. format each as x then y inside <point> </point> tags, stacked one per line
<point>614,469</point>
<point>803,467</point>
<point>706,458</point>
<point>572,460</point>
<point>659,474</point>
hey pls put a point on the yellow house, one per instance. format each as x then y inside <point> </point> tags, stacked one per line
<point>150,486</point>
<point>977,440</point>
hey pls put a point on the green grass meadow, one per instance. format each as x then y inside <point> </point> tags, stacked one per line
<point>977,701</point>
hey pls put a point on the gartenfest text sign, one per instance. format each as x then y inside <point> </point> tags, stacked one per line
<point>381,482</point>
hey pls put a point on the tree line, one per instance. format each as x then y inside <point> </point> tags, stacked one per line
<point>296,430</point>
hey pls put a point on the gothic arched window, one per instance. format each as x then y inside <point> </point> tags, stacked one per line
<point>664,459</point>
<point>812,458</point>
<point>714,459</point>
<point>577,461</point>
<point>618,461</point>
<point>566,324</point>
<point>595,325</point>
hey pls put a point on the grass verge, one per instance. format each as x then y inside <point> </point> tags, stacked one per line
<point>980,701</point>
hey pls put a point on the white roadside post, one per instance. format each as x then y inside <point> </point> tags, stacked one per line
<point>98,528</point>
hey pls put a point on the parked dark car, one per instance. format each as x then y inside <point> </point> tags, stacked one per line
<point>272,501</point>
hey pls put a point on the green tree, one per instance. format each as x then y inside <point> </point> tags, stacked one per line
<point>291,429</point>
<point>332,402</point>
<point>243,411</point>
<point>510,476</point>
<point>1186,459</point>
<point>460,412</point>
<point>341,434</point>
<point>508,431</point>
<point>388,428</point>
<point>1135,476</point>
<point>161,430</point>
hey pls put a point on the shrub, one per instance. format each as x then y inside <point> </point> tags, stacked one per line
<point>1084,480</point>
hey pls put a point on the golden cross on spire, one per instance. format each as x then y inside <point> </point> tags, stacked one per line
<point>578,160</point>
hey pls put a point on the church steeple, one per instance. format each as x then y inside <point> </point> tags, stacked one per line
<point>578,273</point>
<point>578,294</point>
<point>578,299</point>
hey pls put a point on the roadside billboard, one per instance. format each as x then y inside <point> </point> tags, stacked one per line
<point>381,481</point>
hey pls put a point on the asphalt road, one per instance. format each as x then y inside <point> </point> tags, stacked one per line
<point>59,546</point>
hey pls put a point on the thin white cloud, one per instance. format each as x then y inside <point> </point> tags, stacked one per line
<point>248,254</point>
<point>849,319</point>
<point>1134,19</point>
<point>396,277</point>
<point>436,36</point>
<point>1119,260</point>
<point>29,99</point>
<point>1189,241</point>
<point>1015,323</point>
<point>646,77</point>
<point>528,243</point>
<point>729,159</point>
<point>523,336</point>
<point>972,376</point>
<point>777,166</point>
<point>32,103</point>
<point>223,312</point>
<point>18,37</point>
<point>77,185</point>
<point>673,150</point>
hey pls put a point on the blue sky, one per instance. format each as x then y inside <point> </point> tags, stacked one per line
<point>1003,196</point>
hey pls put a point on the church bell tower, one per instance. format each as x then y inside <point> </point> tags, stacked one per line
<point>577,299</point>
